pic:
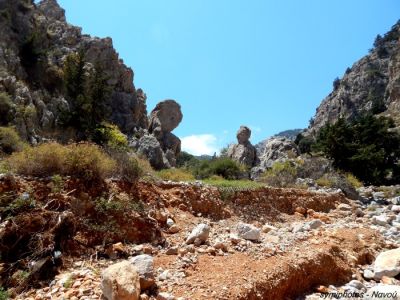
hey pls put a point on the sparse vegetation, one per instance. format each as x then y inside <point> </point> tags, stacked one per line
<point>3,294</point>
<point>85,161</point>
<point>282,174</point>
<point>176,175</point>
<point>6,106</point>
<point>110,135</point>
<point>9,140</point>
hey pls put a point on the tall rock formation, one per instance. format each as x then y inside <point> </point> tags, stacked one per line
<point>158,144</point>
<point>371,85</point>
<point>243,152</point>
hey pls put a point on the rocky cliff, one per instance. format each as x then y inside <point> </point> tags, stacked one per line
<point>35,42</point>
<point>372,84</point>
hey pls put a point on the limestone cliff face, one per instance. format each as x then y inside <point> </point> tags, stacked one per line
<point>34,86</point>
<point>371,84</point>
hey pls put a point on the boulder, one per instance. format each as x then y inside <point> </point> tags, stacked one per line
<point>145,268</point>
<point>200,232</point>
<point>248,232</point>
<point>165,117</point>
<point>387,264</point>
<point>120,282</point>
<point>150,147</point>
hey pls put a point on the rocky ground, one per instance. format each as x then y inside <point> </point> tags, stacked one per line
<point>264,244</point>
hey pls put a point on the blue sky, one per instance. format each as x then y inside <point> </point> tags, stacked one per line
<point>262,63</point>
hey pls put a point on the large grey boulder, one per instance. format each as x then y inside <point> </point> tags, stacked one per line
<point>120,282</point>
<point>243,152</point>
<point>145,267</point>
<point>150,147</point>
<point>387,263</point>
<point>165,117</point>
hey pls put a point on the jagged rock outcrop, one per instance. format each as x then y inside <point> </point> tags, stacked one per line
<point>34,43</point>
<point>243,152</point>
<point>276,149</point>
<point>371,85</point>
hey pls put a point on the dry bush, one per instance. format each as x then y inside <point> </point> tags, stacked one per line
<point>43,160</point>
<point>88,162</point>
<point>85,161</point>
<point>10,140</point>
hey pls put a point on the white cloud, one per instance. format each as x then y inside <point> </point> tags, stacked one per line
<point>199,144</point>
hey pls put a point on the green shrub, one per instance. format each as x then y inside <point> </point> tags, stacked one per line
<point>304,143</point>
<point>175,175</point>
<point>224,167</point>
<point>6,106</point>
<point>3,294</point>
<point>110,135</point>
<point>282,174</point>
<point>9,140</point>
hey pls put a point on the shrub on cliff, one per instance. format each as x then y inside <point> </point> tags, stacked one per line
<point>6,106</point>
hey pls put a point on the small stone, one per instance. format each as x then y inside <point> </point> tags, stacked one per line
<point>200,232</point>
<point>301,210</point>
<point>396,208</point>
<point>164,275</point>
<point>356,284</point>
<point>344,207</point>
<point>368,274</point>
<point>248,232</point>
<point>267,228</point>
<point>314,224</point>
<point>170,222</point>
<point>174,229</point>
<point>165,296</point>
<point>172,251</point>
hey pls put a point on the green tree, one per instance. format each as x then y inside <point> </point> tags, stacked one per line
<point>87,91</point>
<point>365,147</point>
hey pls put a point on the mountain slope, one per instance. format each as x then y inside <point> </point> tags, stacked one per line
<point>372,84</point>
